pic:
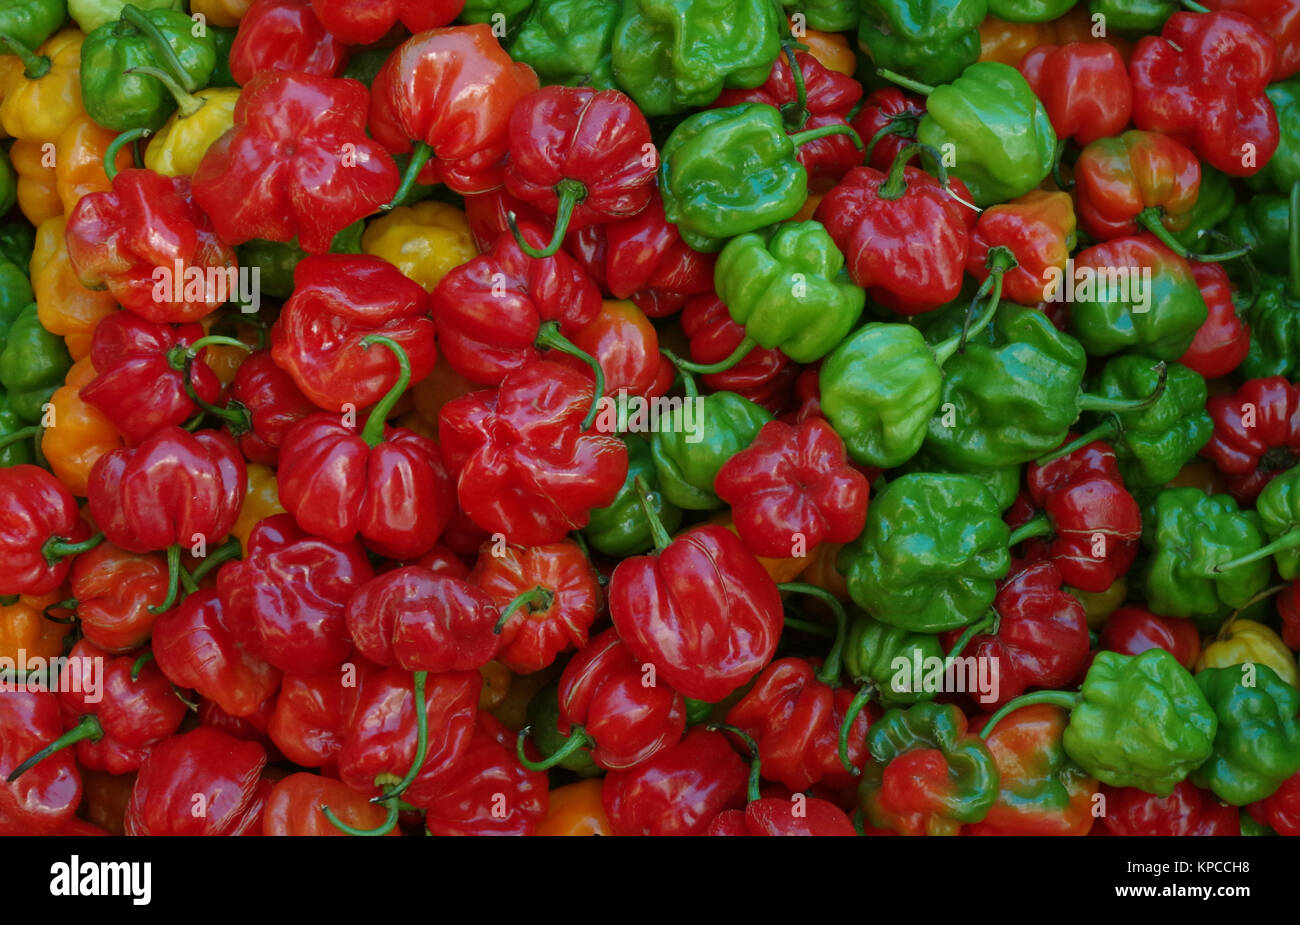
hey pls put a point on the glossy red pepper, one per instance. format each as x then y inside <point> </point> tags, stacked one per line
<point>293,807</point>
<point>250,728</point>
<point>1223,341</point>
<point>1202,81</point>
<point>310,718</point>
<point>1038,229</point>
<point>488,791</point>
<point>287,599</point>
<point>204,768</point>
<point>680,790</point>
<point>1186,811</point>
<point>1281,811</point>
<point>793,485</point>
<point>526,465</point>
<point>43,529</point>
<point>780,816</point>
<point>297,164</point>
<point>495,312</point>
<point>1256,434</point>
<point>272,403</point>
<point>763,376</point>
<point>453,89</point>
<point>581,156</point>
<point>626,345</point>
<point>887,123</point>
<point>557,595</point>
<point>1140,180</point>
<point>115,590</point>
<point>137,386</point>
<point>364,22</point>
<point>1280,19</point>
<point>43,800</point>
<point>1132,630</point>
<point>284,35</point>
<point>1084,87</point>
<point>488,215</point>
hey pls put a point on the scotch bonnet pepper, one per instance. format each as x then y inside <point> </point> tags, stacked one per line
<point>923,39</point>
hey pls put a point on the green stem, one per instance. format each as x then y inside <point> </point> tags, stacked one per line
<point>1150,219</point>
<point>968,634</point>
<point>577,741</point>
<point>25,433</point>
<point>1108,429</point>
<point>139,664</point>
<point>1040,525</point>
<point>1195,7</point>
<point>803,138</point>
<point>896,78</point>
<point>795,113</point>
<point>1293,242</point>
<point>186,102</point>
<point>187,580</point>
<point>68,603</point>
<point>860,700</point>
<point>807,626</point>
<point>1289,540</point>
<point>373,432</point>
<point>755,762</point>
<point>1063,699</point>
<point>1089,402</point>
<point>389,823</point>
<point>548,335</point>
<point>57,547</point>
<point>537,595</point>
<point>707,369</point>
<point>420,154</point>
<point>944,350</point>
<point>421,740</point>
<point>568,193</point>
<point>895,184</point>
<point>173,581</point>
<point>116,145</point>
<point>162,49</point>
<point>182,359</point>
<point>228,550</point>
<point>34,66</point>
<point>660,535</point>
<point>830,670</point>
<point>87,730</point>
<point>900,123</point>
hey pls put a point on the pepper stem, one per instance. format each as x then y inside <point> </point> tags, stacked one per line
<point>900,123</point>
<point>968,634</point>
<point>1062,699</point>
<point>173,581</point>
<point>1195,7</point>
<point>1150,219</point>
<point>1108,429</point>
<point>860,700</point>
<point>895,184</point>
<point>568,193</point>
<point>830,670</point>
<point>809,627</point>
<point>87,730</point>
<point>1122,405</point>
<point>527,599</point>
<point>390,821</point>
<point>25,433</point>
<point>896,78</point>
<point>1288,540</point>
<point>139,664</point>
<point>548,335</point>
<point>34,66</point>
<point>578,740</point>
<point>803,138</point>
<point>166,55</point>
<point>56,547</point>
<point>186,102</point>
<point>707,369</point>
<point>228,550</point>
<point>944,350</point>
<point>420,154</point>
<point>421,740</point>
<point>795,112</point>
<point>110,153</point>
<point>235,415</point>
<point>373,432</point>
<point>661,538</point>
<point>1040,525</point>
<point>755,762</point>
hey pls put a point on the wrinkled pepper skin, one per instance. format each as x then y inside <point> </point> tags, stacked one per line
<point>1256,434</point>
<point>688,464</point>
<point>931,40</point>
<point>1257,746</point>
<point>43,800</point>
<point>224,771</point>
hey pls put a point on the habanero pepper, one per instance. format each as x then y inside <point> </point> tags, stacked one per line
<point>1240,642</point>
<point>488,791</point>
<point>43,531</point>
<point>84,433</point>
<point>761,376</point>
<point>425,240</point>
<point>65,306</point>
<point>1186,810</point>
<point>924,39</point>
<point>1084,86</point>
<point>569,42</point>
<point>43,801</point>
<point>41,98</point>
<point>1256,434</point>
<point>1257,746</point>
<point>284,35</point>
<point>293,807</point>
<point>887,123</point>
<point>1132,630</point>
<point>118,595</point>
<point>1038,229</point>
<point>1224,342</point>
<point>364,23</point>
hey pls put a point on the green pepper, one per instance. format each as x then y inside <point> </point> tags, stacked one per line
<point>1274,313</point>
<point>869,653</point>
<point>1283,169</point>
<point>1262,223</point>
<point>161,41</point>
<point>1003,482</point>
<point>32,365</point>
<point>689,451</point>
<point>1278,507</point>
<point>825,15</point>
<point>31,22</point>
<point>15,292</point>
<point>931,555</point>
<point>19,451</point>
<point>275,260</point>
<point>1257,745</point>
<point>543,719</point>
<point>569,41</point>
<point>1133,15</point>
<point>1139,721</point>
<point>672,55</point>
<point>223,39</point>
<point>993,127</point>
<point>1250,826</point>
<point>17,239</point>
<point>504,16</point>
<point>787,285</point>
<point>8,183</point>
<point>1030,10</point>
<point>966,791</point>
<point>1192,535</point>
<point>91,14</point>
<point>621,528</point>
<point>724,172</point>
<point>1214,203</point>
<point>932,40</point>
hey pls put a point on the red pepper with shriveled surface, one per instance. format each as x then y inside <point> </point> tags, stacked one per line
<point>43,531</point>
<point>284,35</point>
<point>1256,434</point>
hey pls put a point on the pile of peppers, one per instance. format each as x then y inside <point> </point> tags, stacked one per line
<point>650,417</point>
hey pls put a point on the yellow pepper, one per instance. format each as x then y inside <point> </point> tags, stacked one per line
<point>261,500</point>
<point>576,809</point>
<point>1008,42</point>
<point>42,99</point>
<point>224,13</point>
<point>180,144</point>
<point>79,161</point>
<point>425,241</point>
<point>81,432</point>
<point>1242,641</point>
<point>64,306</point>
<point>23,626</point>
<point>38,194</point>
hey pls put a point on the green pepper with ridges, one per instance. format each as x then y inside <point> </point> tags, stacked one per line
<point>275,260</point>
<point>1274,313</point>
<point>1257,746</point>
<point>621,528</point>
<point>31,22</point>
<point>825,15</point>
<point>91,14</point>
<point>1278,507</point>
<point>932,40</point>
<point>870,651</point>
<point>543,719</point>
<point>1282,170</point>
<point>17,239</point>
<point>1030,10</point>
<point>15,292</point>
<point>569,41</point>
<point>32,365</point>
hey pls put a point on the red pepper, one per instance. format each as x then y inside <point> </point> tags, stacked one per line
<point>887,123</point>
<point>904,237</point>
<point>453,90</point>
<point>441,561</point>
<point>250,728</point>
<point>1202,81</point>
<point>201,770</point>
<point>680,790</point>
<point>1186,811</point>
<point>701,609</point>
<point>284,35</point>
<point>120,240</point>
<point>1288,608</point>
<point>1038,635</point>
<point>527,465</point>
<point>1256,434</point>
<point>286,600</point>
<point>114,590</point>
<point>645,260</point>
<point>1038,229</point>
<point>42,531</point>
<point>488,792</point>
<point>818,97</point>
<point>422,622</point>
<point>139,387</point>
<point>1139,180</point>
<point>1133,630</point>
<point>43,800</point>
<point>339,300</point>
<point>781,816</point>
<point>1084,87</point>
<point>793,483</point>
<point>297,163</point>
<point>763,376</point>
<point>1281,811</point>
<point>293,807</point>
<point>1280,19</point>
<point>271,403</point>
<point>194,648</point>
<point>310,718</point>
<point>364,22</point>
<point>581,156</point>
<point>495,312</point>
<point>1093,524</point>
<point>626,345</point>
<point>488,215</point>
<point>1223,341</point>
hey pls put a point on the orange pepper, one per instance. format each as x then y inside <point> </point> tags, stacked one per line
<point>38,196</point>
<point>81,433</point>
<point>223,359</point>
<point>781,570</point>
<point>64,306</point>
<point>79,161</point>
<point>823,573</point>
<point>1008,42</point>
<point>831,49</point>
<point>23,626</point>
<point>576,809</point>
<point>809,207</point>
<point>438,388</point>
<point>496,685</point>
<point>226,13</point>
<point>261,500</point>
<point>39,109</point>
